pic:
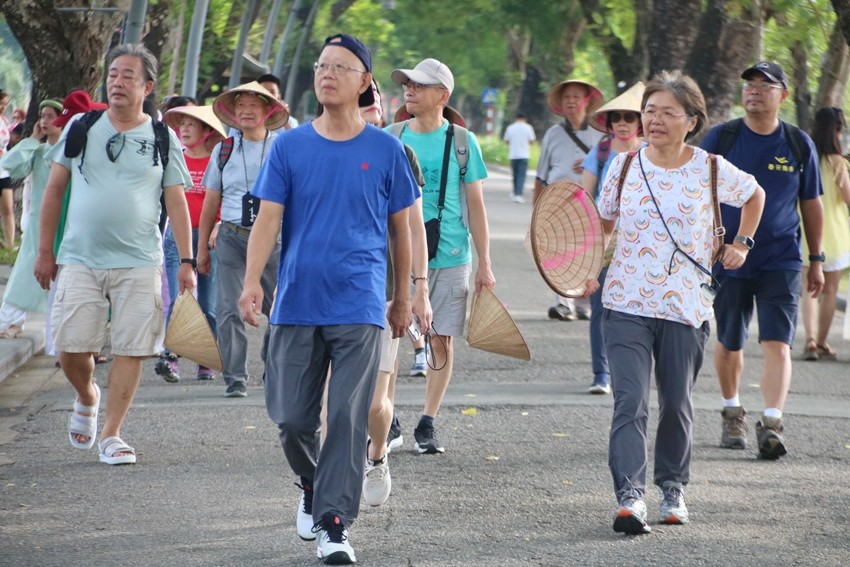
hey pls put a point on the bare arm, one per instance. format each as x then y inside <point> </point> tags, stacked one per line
<point>260,245</point>
<point>400,315</point>
<point>181,227</point>
<point>589,182</point>
<point>51,207</point>
<point>419,245</point>
<point>842,179</point>
<point>212,201</point>
<point>812,212</point>
<point>480,230</point>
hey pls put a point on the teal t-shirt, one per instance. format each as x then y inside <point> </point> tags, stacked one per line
<point>454,249</point>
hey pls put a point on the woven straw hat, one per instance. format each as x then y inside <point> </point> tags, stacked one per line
<point>566,238</point>
<point>225,103</point>
<point>492,328</point>
<point>203,113</point>
<point>556,92</point>
<point>189,333</point>
<point>628,101</point>
<point>449,113</point>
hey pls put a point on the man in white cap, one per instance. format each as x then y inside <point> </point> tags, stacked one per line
<point>427,88</point>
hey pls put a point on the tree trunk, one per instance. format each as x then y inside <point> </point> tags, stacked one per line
<point>802,94</point>
<point>219,55</point>
<point>672,32</point>
<point>842,10</point>
<point>627,66</point>
<point>834,72</point>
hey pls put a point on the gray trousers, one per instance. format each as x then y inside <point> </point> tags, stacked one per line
<point>231,253</point>
<point>296,369</point>
<point>632,343</point>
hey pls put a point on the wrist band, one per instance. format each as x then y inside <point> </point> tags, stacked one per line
<point>417,278</point>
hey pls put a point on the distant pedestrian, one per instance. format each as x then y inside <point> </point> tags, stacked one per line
<point>519,136</point>
<point>7,189</point>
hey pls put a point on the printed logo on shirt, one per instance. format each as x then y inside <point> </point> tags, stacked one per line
<point>145,146</point>
<point>781,165</point>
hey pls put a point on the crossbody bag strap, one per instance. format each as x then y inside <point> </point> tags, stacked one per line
<point>719,229</point>
<point>575,138</point>
<point>623,172</point>
<point>444,176</point>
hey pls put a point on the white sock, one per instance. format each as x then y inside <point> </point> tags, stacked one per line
<point>773,412</point>
<point>732,402</point>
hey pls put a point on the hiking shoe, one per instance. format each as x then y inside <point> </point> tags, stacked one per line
<point>167,367</point>
<point>205,373</point>
<point>333,547</point>
<point>672,508</point>
<point>630,517</point>
<point>426,441</point>
<point>236,390</point>
<point>769,435</point>
<point>601,384</point>
<point>304,518</point>
<point>561,313</point>
<point>377,482</point>
<point>734,428</point>
<point>394,438</point>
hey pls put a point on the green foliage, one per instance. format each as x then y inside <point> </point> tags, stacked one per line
<point>14,71</point>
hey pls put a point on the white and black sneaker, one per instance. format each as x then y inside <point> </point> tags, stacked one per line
<point>333,547</point>
<point>394,438</point>
<point>304,518</point>
<point>377,482</point>
<point>426,441</point>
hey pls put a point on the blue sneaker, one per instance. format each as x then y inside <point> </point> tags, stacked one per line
<point>601,384</point>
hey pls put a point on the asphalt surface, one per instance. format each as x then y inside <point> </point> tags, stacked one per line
<point>524,480</point>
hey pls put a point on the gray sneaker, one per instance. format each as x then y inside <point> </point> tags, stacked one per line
<point>769,435</point>
<point>630,517</point>
<point>672,508</point>
<point>734,428</point>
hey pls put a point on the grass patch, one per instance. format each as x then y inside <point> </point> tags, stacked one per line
<point>8,256</point>
<point>494,150</point>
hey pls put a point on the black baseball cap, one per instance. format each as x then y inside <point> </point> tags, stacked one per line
<point>769,69</point>
<point>354,45</point>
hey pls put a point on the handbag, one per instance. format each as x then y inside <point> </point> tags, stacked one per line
<point>432,226</point>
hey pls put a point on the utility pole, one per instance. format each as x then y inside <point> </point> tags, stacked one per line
<point>236,68</point>
<point>135,21</point>
<point>193,49</point>
<point>271,26</point>
<point>277,68</point>
<point>293,69</point>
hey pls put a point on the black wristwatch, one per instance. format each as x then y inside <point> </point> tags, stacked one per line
<point>189,261</point>
<point>817,258</point>
<point>745,240</point>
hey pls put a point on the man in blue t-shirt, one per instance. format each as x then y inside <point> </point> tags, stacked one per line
<point>342,186</point>
<point>765,147</point>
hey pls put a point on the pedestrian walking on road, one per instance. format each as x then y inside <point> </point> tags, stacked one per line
<point>658,293</point>
<point>519,136</point>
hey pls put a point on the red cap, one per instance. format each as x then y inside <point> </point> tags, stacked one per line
<point>76,102</point>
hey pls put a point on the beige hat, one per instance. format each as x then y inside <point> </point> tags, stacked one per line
<point>566,238</point>
<point>189,333</point>
<point>225,103</point>
<point>492,328</point>
<point>628,101</point>
<point>205,115</point>
<point>449,113</point>
<point>556,93</point>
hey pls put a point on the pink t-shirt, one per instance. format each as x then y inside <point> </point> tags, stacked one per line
<point>645,277</point>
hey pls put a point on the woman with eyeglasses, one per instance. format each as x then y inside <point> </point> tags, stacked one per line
<point>658,293</point>
<point>818,315</point>
<point>29,157</point>
<point>620,121</point>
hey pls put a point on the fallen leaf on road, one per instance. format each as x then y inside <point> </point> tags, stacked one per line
<point>472,395</point>
<point>491,458</point>
<point>250,427</point>
<point>561,434</point>
<point>470,411</point>
<point>567,482</point>
<point>524,413</point>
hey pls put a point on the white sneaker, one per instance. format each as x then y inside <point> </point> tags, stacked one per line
<point>304,518</point>
<point>333,547</point>
<point>518,199</point>
<point>377,483</point>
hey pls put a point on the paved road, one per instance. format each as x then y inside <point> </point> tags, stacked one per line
<point>524,480</point>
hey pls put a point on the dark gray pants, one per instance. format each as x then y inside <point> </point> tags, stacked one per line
<point>632,343</point>
<point>296,369</point>
<point>231,254</point>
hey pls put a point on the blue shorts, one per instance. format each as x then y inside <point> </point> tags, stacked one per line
<point>777,294</point>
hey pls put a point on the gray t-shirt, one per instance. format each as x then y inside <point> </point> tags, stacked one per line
<point>239,174</point>
<point>113,211</point>
<point>558,153</point>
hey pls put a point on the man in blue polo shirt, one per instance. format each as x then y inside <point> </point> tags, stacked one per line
<point>784,162</point>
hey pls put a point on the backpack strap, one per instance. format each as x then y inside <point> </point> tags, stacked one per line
<point>78,131</point>
<point>625,171</point>
<point>396,128</point>
<point>224,152</point>
<point>461,149</point>
<point>162,143</point>
<point>794,136</point>
<point>728,136</point>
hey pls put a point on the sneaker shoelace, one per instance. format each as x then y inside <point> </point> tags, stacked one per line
<point>333,527</point>
<point>673,496</point>
<point>308,497</point>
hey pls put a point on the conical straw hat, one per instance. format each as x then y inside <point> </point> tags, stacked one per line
<point>204,114</point>
<point>189,333</point>
<point>553,99</point>
<point>629,101</point>
<point>224,105</point>
<point>566,238</point>
<point>491,327</point>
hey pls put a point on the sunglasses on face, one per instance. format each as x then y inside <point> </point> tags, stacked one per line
<point>627,117</point>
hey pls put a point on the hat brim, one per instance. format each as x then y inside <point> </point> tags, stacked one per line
<point>746,75</point>
<point>401,76</point>
<point>224,106</point>
<point>203,114</point>
<point>629,101</point>
<point>63,119</point>
<point>449,113</point>
<point>553,99</point>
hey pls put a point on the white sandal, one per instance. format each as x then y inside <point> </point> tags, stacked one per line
<point>111,450</point>
<point>79,424</point>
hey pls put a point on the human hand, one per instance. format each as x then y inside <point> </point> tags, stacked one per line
<point>251,303</point>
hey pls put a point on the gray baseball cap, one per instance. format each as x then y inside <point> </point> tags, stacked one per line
<point>427,72</point>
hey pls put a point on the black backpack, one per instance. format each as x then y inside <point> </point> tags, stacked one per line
<point>77,138</point>
<point>799,148</point>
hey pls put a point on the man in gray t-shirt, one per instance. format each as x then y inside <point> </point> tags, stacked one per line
<point>110,260</point>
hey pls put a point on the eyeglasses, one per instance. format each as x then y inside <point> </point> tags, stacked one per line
<point>627,117</point>
<point>652,114</point>
<point>761,87</point>
<point>114,146</point>
<point>417,87</point>
<point>333,68</point>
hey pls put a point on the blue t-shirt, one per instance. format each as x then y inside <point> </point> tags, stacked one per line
<point>770,160</point>
<point>337,199</point>
<point>591,164</point>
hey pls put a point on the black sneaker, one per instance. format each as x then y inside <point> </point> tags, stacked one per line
<point>394,437</point>
<point>236,390</point>
<point>426,441</point>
